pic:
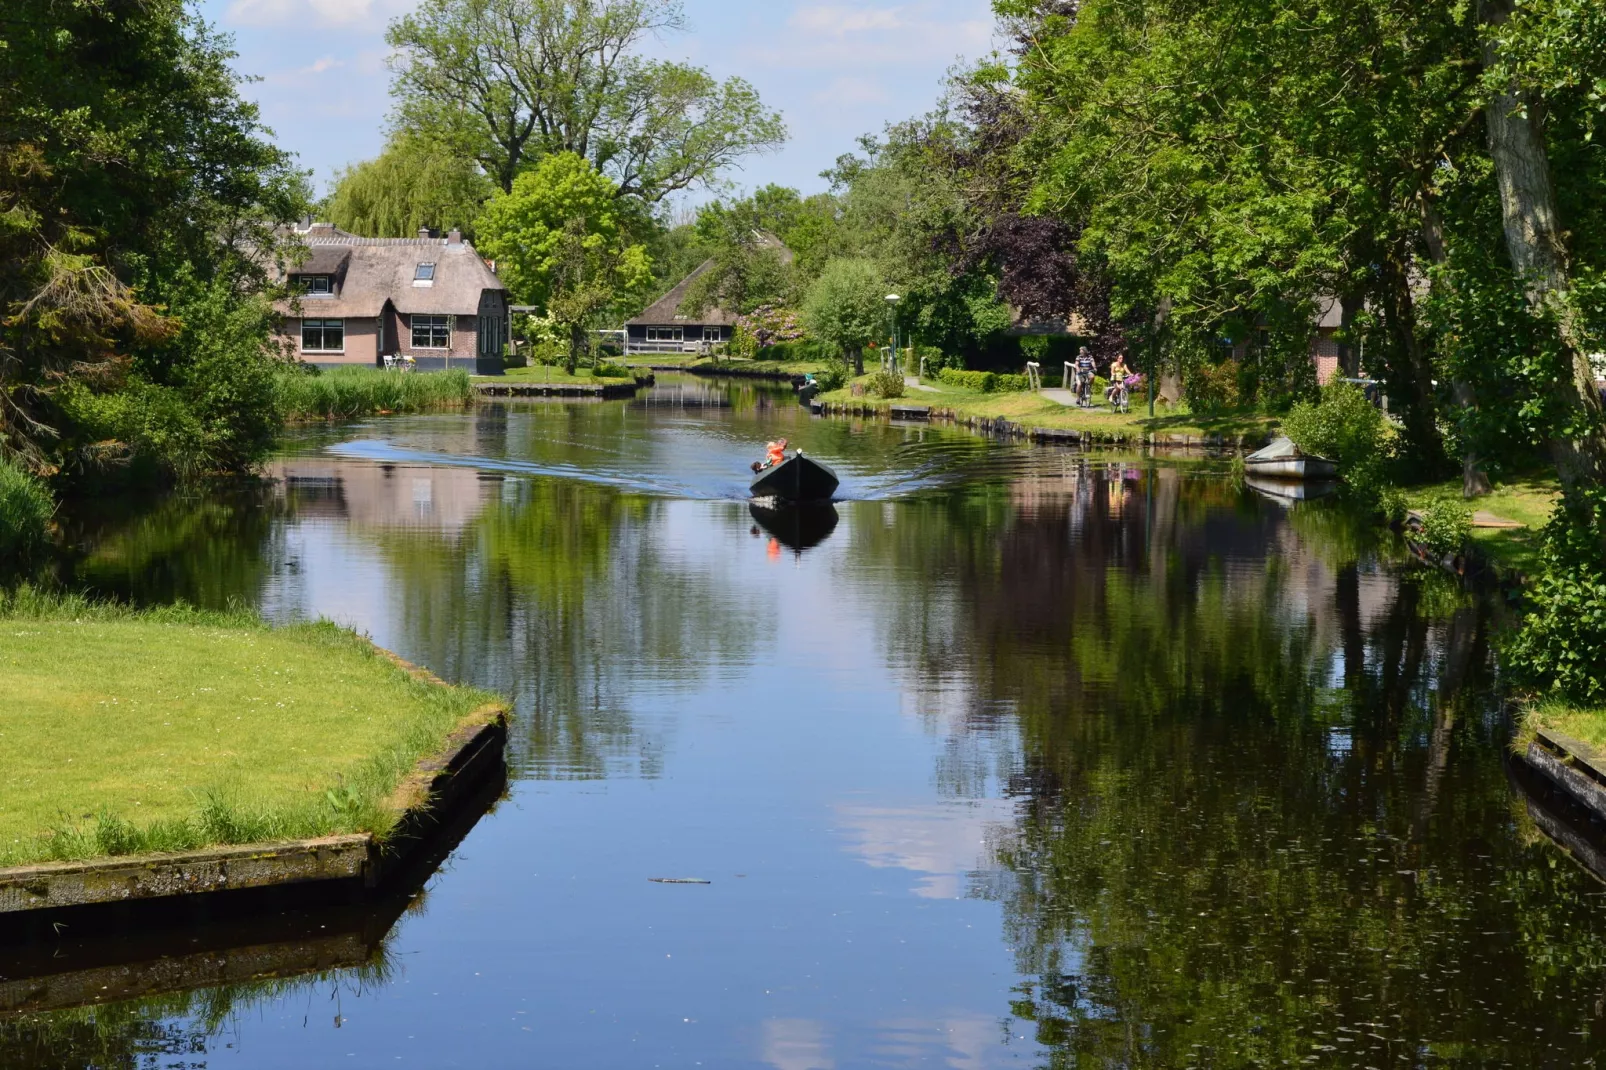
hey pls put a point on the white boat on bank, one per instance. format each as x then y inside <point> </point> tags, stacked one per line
<point>1282,460</point>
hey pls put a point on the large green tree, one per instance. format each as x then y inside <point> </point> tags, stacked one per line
<point>411,185</point>
<point>138,194</point>
<point>505,82</point>
<point>846,308</point>
<point>564,241</point>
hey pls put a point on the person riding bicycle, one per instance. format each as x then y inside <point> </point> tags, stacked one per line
<point>1085,367</point>
<point>1118,373</point>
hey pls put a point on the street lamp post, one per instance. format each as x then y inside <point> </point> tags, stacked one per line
<point>892,303</point>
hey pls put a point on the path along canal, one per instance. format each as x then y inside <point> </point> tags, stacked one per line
<point>1036,758</point>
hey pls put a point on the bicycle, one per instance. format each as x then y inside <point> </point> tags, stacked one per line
<point>1084,390</point>
<point>1120,397</point>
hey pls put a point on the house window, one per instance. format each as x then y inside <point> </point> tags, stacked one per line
<point>710,334</point>
<point>664,334</point>
<point>432,332</point>
<point>323,336</point>
<point>317,285</point>
<point>424,273</point>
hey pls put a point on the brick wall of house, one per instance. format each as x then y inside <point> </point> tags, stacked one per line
<point>362,343</point>
<point>464,339</point>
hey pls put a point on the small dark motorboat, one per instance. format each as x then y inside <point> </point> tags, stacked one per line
<point>796,527</point>
<point>796,479</point>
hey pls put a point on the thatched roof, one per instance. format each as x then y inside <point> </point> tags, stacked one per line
<point>665,312</point>
<point>370,271</point>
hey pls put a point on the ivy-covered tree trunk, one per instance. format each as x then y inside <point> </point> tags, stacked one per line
<point>1538,252</point>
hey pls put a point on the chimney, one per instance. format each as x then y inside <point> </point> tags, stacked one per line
<point>455,237</point>
<point>423,232</point>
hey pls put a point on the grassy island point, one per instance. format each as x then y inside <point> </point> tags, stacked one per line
<point>133,731</point>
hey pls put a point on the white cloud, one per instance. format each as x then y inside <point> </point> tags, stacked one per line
<point>796,1044</point>
<point>942,843</point>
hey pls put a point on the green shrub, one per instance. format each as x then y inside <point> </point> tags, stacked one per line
<point>345,393</point>
<point>986,382</point>
<point>607,370</point>
<point>1344,426</point>
<point>25,510</point>
<point>1210,389</point>
<point>835,375</point>
<point>1393,504</point>
<point>1562,643</point>
<point>1446,527</point>
<point>884,384</point>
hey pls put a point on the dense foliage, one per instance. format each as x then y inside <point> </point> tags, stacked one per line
<point>562,239</point>
<point>25,511</point>
<point>1346,427</point>
<point>136,188</point>
<point>846,308</point>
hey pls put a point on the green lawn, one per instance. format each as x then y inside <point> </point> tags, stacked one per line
<point>126,732</point>
<point>1586,725</point>
<point>546,373</point>
<point>1528,501</point>
<point>1035,411</point>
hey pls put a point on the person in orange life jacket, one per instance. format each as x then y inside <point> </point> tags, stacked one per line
<point>775,453</point>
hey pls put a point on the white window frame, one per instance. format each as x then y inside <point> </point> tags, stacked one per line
<point>307,282</point>
<point>431,326</point>
<point>713,334</point>
<point>666,334</point>
<point>323,325</point>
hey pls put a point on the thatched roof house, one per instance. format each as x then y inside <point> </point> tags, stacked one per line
<point>359,300</point>
<point>663,327</point>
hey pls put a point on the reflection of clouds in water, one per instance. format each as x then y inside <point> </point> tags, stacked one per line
<point>966,1042</point>
<point>942,842</point>
<point>796,1044</point>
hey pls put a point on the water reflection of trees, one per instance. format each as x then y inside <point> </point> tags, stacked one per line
<point>560,593</point>
<point>1261,813</point>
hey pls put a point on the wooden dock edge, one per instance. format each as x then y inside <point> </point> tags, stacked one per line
<point>437,785</point>
<point>1573,766</point>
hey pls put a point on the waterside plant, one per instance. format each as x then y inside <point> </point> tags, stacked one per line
<point>346,393</point>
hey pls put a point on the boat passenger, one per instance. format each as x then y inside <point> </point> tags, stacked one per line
<point>776,451</point>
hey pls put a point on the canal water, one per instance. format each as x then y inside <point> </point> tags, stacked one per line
<point>1019,757</point>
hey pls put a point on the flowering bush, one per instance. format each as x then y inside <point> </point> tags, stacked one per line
<point>765,326</point>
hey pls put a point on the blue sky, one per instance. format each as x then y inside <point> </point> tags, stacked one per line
<point>835,69</point>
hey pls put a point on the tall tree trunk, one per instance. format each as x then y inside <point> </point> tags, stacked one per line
<point>1410,369</point>
<point>1474,480</point>
<point>1538,253</point>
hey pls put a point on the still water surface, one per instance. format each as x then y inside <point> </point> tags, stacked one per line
<point>1028,758</point>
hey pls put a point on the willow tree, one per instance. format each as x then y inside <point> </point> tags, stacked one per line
<point>409,186</point>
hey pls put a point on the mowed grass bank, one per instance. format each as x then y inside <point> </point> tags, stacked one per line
<point>1032,410</point>
<point>127,732</point>
<point>348,393</point>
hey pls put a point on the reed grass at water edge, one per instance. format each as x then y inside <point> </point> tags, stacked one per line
<point>346,393</point>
